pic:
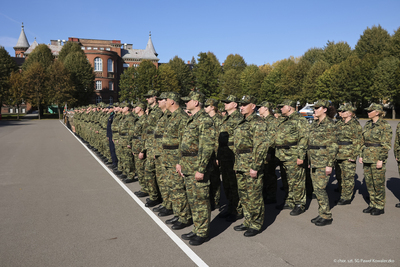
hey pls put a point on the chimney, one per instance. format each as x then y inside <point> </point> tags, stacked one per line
<point>188,62</point>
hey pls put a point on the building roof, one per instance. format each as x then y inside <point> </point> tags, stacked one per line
<point>22,40</point>
<point>32,47</point>
<point>139,54</point>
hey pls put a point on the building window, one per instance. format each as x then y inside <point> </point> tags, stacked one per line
<point>111,100</point>
<point>110,65</point>
<point>108,49</point>
<point>99,85</point>
<point>89,48</point>
<point>11,110</point>
<point>98,99</point>
<point>126,65</point>
<point>23,110</point>
<point>111,86</point>
<point>95,48</point>
<point>101,48</point>
<point>83,48</point>
<point>98,64</point>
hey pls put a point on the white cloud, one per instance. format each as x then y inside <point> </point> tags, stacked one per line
<point>8,41</point>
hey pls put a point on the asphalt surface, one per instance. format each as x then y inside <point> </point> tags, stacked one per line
<point>60,207</point>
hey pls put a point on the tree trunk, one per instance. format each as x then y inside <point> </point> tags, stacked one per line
<point>59,115</point>
<point>17,112</point>
<point>393,113</point>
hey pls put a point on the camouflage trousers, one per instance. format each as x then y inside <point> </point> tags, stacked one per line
<point>296,183</point>
<point>150,179</point>
<point>198,195</point>
<point>215,186</point>
<point>270,181</point>
<point>375,181</point>
<point>177,193</point>
<point>162,177</point>
<point>320,181</point>
<point>345,174</point>
<point>230,185</point>
<point>139,167</point>
<point>250,194</point>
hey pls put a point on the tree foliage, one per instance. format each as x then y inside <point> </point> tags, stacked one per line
<point>385,84</point>
<point>146,78</point>
<point>168,79</point>
<point>336,53</point>
<point>230,84</point>
<point>128,89</point>
<point>41,54</point>
<point>251,79</point>
<point>234,61</point>
<point>34,82</point>
<point>68,48</point>
<point>16,92</point>
<point>207,72</point>
<point>313,55</point>
<point>183,74</point>
<point>374,40</point>
<point>7,66</point>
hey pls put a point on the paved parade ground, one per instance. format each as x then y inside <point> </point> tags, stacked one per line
<point>61,206</point>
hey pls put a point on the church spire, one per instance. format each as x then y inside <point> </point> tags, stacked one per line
<point>22,40</point>
<point>150,46</point>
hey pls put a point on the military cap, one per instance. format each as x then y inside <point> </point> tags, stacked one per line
<point>151,93</point>
<point>196,96</point>
<point>211,102</point>
<point>229,99</point>
<point>375,106</point>
<point>247,99</point>
<point>322,103</point>
<point>266,104</point>
<point>347,107</point>
<point>124,105</point>
<point>116,104</point>
<point>141,104</point>
<point>288,102</point>
<point>174,96</point>
<point>162,96</point>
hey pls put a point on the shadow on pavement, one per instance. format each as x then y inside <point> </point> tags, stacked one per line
<point>393,184</point>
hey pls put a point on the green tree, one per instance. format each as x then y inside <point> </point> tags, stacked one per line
<point>128,89</point>
<point>68,48</point>
<point>266,68</point>
<point>374,40</point>
<point>7,66</point>
<point>251,79</point>
<point>327,84</point>
<point>146,78</point>
<point>313,55</point>
<point>310,84</point>
<point>16,92</point>
<point>41,54</point>
<point>34,82</point>
<point>336,53</point>
<point>394,44</point>
<point>234,61</point>
<point>230,83</point>
<point>385,83</point>
<point>61,86</point>
<point>292,78</point>
<point>168,79</point>
<point>81,75</point>
<point>367,65</point>
<point>183,74</point>
<point>207,72</point>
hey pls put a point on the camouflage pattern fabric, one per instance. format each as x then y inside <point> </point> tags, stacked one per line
<point>196,147</point>
<point>396,148</point>
<point>137,145</point>
<point>215,176</point>
<point>320,181</point>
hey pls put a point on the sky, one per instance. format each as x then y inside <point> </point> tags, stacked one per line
<point>260,31</point>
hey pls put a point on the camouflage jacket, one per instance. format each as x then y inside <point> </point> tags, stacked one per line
<point>154,115</point>
<point>197,143</point>
<point>322,143</point>
<point>125,124</point>
<point>159,132</point>
<point>251,143</point>
<point>396,148</point>
<point>115,125</point>
<point>379,135</point>
<point>226,128</point>
<point>349,137</point>
<point>217,119</point>
<point>172,136</point>
<point>291,131</point>
<point>135,133</point>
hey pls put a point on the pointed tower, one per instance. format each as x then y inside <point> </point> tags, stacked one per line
<point>22,44</point>
<point>150,47</point>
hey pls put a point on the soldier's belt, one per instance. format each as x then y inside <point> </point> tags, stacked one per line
<point>150,132</point>
<point>125,134</point>
<point>115,131</point>
<point>137,137</point>
<point>158,136</point>
<point>189,154</point>
<point>344,143</point>
<point>287,146</point>
<point>372,144</point>
<point>316,147</point>
<point>170,147</point>
<point>244,151</point>
<point>230,144</point>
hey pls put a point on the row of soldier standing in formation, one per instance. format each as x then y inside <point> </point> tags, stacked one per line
<point>179,155</point>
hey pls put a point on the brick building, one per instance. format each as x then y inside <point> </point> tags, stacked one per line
<point>109,58</point>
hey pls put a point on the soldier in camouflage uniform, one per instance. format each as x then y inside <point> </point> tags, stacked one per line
<point>251,144</point>
<point>396,151</point>
<point>165,208</point>
<point>226,158</point>
<point>170,157</point>
<point>154,114</point>
<point>377,137</point>
<point>322,149</point>
<point>196,148</point>
<point>270,178</point>
<point>113,156</point>
<point>290,148</point>
<point>124,141</point>
<point>349,142</point>
<point>115,135</point>
<point>211,108</point>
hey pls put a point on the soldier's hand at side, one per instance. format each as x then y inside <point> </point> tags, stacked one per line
<point>178,169</point>
<point>253,173</point>
<point>328,170</point>
<point>199,176</point>
<point>300,161</point>
<point>379,164</point>
<point>360,160</point>
<point>352,160</point>
<point>128,146</point>
<point>141,155</point>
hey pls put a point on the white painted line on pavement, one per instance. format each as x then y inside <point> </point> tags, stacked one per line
<point>182,245</point>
